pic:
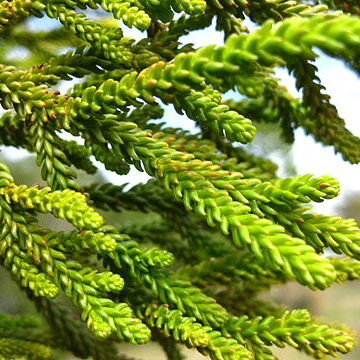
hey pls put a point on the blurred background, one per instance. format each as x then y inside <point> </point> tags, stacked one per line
<point>339,303</point>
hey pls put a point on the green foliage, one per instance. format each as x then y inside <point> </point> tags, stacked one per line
<point>220,225</point>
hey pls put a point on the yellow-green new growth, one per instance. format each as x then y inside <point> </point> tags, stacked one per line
<point>215,225</point>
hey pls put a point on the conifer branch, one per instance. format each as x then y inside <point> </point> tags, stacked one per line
<point>15,11</point>
<point>193,334</point>
<point>217,224</point>
<point>295,328</point>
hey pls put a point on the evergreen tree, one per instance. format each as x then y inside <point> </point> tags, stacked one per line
<point>228,226</point>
